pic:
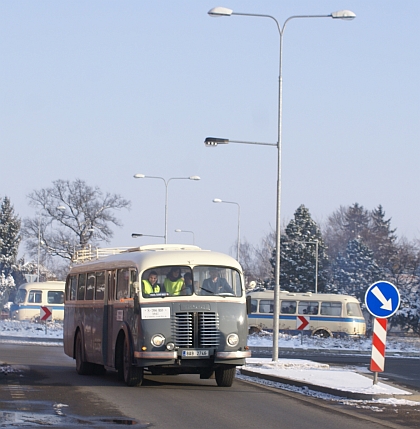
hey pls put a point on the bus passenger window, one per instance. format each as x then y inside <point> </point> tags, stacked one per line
<point>90,287</point>
<point>81,286</point>
<point>254,304</point>
<point>266,306</point>
<point>122,284</point>
<point>100,286</point>
<point>35,296</point>
<point>331,308</point>
<point>72,288</point>
<point>55,297</point>
<point>308,307</point>
<point>288,307</point>
<point>134,283</point>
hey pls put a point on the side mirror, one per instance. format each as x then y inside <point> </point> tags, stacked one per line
<point>248,305</point>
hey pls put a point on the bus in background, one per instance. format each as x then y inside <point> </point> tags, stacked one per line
<point>328,314</point>
<point>30,297</point>
<point>168,309</point>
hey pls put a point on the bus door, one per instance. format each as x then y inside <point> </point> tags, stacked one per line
<point>107,333</point>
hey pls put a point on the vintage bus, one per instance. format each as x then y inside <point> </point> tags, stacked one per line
<point>327,314</point>
<point>30,297</point>
<point>115,319</point>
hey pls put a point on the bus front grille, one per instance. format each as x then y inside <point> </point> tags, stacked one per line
<point>196,330</point>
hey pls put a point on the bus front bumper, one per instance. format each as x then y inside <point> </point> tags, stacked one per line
<point>240,354</point>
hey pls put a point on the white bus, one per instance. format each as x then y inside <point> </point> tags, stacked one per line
<point>327,314</point>
<point>30,297</point>
<point>193,320</point>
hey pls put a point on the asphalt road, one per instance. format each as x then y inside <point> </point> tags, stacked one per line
<point>48,392</point>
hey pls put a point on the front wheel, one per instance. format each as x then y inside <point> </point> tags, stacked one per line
<point>133,375</point>
<point>322,333</point>
<point>225,376</point>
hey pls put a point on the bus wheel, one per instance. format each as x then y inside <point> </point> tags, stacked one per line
<point>133,375</point>
<point>225,375</point>
<point>253,330</point>
<point>322,333</point>
<point>82,367</point>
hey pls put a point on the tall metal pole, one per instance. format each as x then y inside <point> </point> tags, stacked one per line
<point>39,244</point>
<point>221,11</point>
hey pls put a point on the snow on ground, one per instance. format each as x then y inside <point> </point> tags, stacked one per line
<point>350,380</point>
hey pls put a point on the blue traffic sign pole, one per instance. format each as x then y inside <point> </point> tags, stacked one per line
<point>382,300</point>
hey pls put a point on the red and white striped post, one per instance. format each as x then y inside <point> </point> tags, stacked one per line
<point>377,362</point>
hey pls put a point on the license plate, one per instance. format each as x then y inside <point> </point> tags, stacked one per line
<point>195,353</point>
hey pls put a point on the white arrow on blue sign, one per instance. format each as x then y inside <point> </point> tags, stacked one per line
<point>382,299</point>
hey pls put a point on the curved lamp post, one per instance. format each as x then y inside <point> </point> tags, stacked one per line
<point>166,182</point>
<point>183,230</point>
<point>218,200</point>
<point>223,11</point>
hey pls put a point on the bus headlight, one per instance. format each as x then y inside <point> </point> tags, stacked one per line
<point>158,340</point>
<point>232,340</point>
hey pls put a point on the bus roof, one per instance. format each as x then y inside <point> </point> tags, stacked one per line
<point>158,255</point>
<point>43,285</point>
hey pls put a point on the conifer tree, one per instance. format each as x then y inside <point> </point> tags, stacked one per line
<point>356,270</point>
<point>9,237</point>
<point>298,255</point>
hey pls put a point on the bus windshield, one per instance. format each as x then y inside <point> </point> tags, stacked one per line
<point>172,281</point>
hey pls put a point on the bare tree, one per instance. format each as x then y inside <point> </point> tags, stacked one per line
<point>71,215</point>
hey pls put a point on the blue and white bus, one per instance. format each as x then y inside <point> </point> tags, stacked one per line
<point>327,314</point>
<point>30,297</point>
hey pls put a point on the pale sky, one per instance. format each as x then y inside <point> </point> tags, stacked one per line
<point>102,90</point>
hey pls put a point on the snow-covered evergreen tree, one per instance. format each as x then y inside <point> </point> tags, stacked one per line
<point>7,284</point>
<point>9,236</point>
<point>355,270</point>
<point>298,258</point>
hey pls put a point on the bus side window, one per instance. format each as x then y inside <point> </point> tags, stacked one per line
<point>254,304</point>
<point>288,307</point>
<point>308,307</point>
<point>122,284</point>
<point>266,306</point>
<point>90,287</point>
<point>111,285</point>
<point>81,285</point>
<point>72,288</point>
<point>134,283</point>
<point>100,286</point>
<point>35,296</point>
<point>331,308</point>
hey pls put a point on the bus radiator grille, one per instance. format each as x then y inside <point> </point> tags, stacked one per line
<point>196,330</point>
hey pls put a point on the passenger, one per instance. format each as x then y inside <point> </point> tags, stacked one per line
<point>187,289</point>
<point>151,285</point>
<point>215,284</point>
<point>174,281</point>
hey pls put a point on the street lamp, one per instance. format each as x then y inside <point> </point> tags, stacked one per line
<point>218,200</point>
<point>183,230</point>
<point>166,182</point>
<point>135,235</point>
<point>223,11</point>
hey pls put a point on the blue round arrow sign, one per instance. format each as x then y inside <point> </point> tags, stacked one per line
<point>382,299</point>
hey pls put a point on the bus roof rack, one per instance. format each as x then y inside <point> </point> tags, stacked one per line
<point>90,254</point>
<point>157,247</point>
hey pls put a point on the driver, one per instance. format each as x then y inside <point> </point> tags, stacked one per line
<point>215,284</point>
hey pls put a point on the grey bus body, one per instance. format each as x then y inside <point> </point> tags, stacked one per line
<point>111,322</point>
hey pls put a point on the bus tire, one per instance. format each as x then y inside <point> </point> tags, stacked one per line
<point>82,367</point>
<point>225,375</point>
<point>132,375</point>
<point>321,333</point>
